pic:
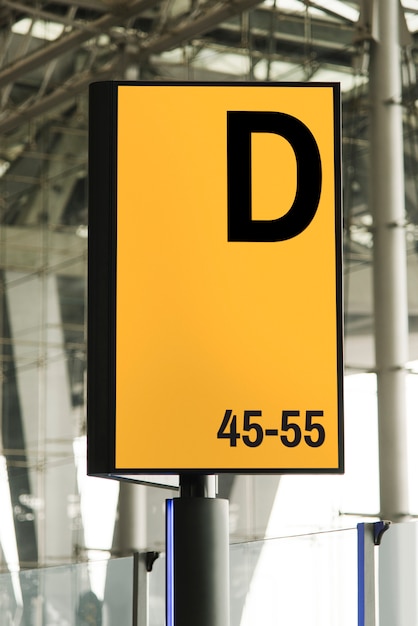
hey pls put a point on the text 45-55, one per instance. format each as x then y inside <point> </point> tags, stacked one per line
<point>293,429</point>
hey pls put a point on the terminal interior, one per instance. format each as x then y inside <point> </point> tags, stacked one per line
<point>52,514</point>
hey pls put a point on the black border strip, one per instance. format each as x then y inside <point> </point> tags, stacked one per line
<point>101,381</point>
<point>101,384</point>
<point>339,270</point>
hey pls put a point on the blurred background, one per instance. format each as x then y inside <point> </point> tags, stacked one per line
<point>51,513</point>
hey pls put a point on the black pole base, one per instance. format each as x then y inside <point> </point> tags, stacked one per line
<point>200,561</point>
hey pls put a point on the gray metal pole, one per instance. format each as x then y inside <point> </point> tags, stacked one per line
<point>140,591</point>
<point>366,575</point>
<point>200,592</point>
<point>390,281</point>
<point>368,537</point>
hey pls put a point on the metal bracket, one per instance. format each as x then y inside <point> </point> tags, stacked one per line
<point>379,530</point>
<point>150,558</point>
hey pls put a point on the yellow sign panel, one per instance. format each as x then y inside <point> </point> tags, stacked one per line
<point>228,293</point>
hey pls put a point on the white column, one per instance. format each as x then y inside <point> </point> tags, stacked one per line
<point>390,278</point>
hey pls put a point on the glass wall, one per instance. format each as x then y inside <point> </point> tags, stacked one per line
<point>309,580</point>
<point>96,594</point>
<point>314,579</point>
<point>43,251</point>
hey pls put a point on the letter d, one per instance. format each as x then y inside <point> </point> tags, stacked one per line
<point>241,226</point>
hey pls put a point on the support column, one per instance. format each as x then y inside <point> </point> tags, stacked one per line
<point>390,279</point>
<point>197,555</point>
<point>45,403</point>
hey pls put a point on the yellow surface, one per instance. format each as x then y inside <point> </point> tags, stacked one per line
<point>203,324</point>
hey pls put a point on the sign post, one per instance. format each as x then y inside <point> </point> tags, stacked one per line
<point>215,296</point>
<point>197,555</point>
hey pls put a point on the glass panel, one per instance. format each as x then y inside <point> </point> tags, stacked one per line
<point>309,580</point>
<point>94,594</point>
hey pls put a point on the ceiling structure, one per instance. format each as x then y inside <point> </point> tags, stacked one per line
<point>49,53</point>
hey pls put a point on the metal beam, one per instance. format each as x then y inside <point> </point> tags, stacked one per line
<point>24,251</point>
<point>72,41</point>
<point>59,96</point>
